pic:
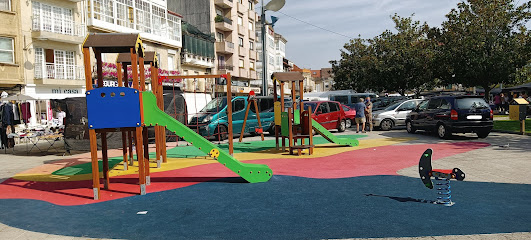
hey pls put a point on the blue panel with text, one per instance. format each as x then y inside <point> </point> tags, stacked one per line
<point>113,107</point>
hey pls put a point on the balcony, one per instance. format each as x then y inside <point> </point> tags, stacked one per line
<point>241,8</point>
<point>224,3</point>
<point>225,47</point>
<point>252,74</point>
<point>223,23</point>
<point>252,35</point>
<point>243,51</point>
<point>194,60</point>
<point>252,15</point>
<point>242,30</point>
<point>66,32</point>
<point>252,54</point>
<point>244,73</point>
<point>60,74</point>
<point>224,69</point>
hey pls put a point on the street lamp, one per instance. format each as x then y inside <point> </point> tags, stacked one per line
<point>273,5</point>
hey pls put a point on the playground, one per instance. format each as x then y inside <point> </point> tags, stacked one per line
<point>305,181</point>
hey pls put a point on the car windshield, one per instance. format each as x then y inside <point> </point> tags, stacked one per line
<point>392,107</point>
<point>471,103</point>
<point>216,105</point>
<point>310,104</point>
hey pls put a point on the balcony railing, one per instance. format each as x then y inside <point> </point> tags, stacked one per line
<point>65,27</point>
<point>220,18</point>
<point>226,67</point>
<point>57,71</point>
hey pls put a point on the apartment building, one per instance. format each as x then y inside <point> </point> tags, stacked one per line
<point>159,28</point>
<point>233,23</point>
<point>197,58</point>
<point>11,45</point>
<point>327,76</point>
<point>309,81</point>
<point>270,55</point>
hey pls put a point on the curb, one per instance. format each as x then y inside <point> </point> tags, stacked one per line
<point>510,132</point>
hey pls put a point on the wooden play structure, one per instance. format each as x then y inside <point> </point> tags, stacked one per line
<point>131,109</point>
<point>251,100</point>
<point>122,62</point>
<point>294,122</point>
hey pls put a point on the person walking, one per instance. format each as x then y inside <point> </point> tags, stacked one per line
<point>360,115</point>
<point>497,102</point>
<point>368,112</point>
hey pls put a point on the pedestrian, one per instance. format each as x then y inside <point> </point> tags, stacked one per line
<point>360,115</point>
<point>368,112</point>
<point>497,102</point>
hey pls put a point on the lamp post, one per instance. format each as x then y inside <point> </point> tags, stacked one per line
<point>273,5</point>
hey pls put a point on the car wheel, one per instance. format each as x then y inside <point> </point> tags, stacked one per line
<point>483,133</point>
<point>386,124</point>
<point>342,126</point>
<point>348,123</point>
<point>410,128</point>
<point>221,132</point>
<point>443,131</point>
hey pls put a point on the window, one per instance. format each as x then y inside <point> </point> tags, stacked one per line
<point>333,107</point>
<point>445,105</point>
<point>53,19</point>
<point>242,63</point>
<point>251,45</point>
<point>55,64</point>
<point>240,21</point>
<point>408,106</point>
<point>219,12</point>
<point>240,41</point>
<point>423,105</point>
<point>251,65</point>
<point>238,105</point>
<point>434,103</point>
<point>7,53</point>
<point>323,108</point>
<point>341,99</point>
<point>220,36</point>
<point>5,5</point>
<point>251,26</point>
<point>250,5</point>
<point>170,62</point>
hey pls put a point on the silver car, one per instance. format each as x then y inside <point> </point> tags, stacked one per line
<point>394,115</point>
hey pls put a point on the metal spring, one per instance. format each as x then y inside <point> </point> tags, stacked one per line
<point>444,192</point>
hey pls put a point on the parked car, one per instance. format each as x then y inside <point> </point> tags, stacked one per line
<point>394,115</point>
<point>350,99</point>
<point>384,102</point>
<point>212,119</point>
<point>350,115</point>
<point>452,114</point>
<point>330,114</point>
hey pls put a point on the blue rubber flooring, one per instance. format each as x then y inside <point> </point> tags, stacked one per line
<point>287,208</point>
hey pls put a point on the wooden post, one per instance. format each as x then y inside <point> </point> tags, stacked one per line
<point>522,127</point>
<point>245,117</point>
<point>130,139</point>
<point>105,160</point>
<point>158,138</point>
<point>142,73</point>
<point>140,160</point>
<point>275,99</point>
<point>301,94</point>
<point>290,128</point>
<point>134,67</point>
<point>282,109</point>
<point>88,73</point>
<point>99,68</point>
<point>258,118</point>
<point>95,167</point>
<point>229,114</point>
<point>126,76</point>
<point>311,128</point>
<point>119,74</point>
<point>124,148</point>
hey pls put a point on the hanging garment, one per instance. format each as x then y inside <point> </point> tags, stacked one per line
<point>16,114</point>
<point>7,117</point>
<point>25,112</point>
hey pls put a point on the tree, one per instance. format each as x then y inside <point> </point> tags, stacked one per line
<point>395,62</point>
<point>483,42</point>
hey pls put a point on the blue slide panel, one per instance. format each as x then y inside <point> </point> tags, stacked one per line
<point>113,107</point>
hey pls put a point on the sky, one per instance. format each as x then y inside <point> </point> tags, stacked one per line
<point>311,47</point>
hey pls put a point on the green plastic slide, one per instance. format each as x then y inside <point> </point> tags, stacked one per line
<point>252,173</point>
<point>331,137</point>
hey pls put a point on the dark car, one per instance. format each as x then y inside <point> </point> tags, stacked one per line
<point>452,114</point>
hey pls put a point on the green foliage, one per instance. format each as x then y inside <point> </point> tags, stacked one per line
<point>483,42</point>
<point>218,18</point>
